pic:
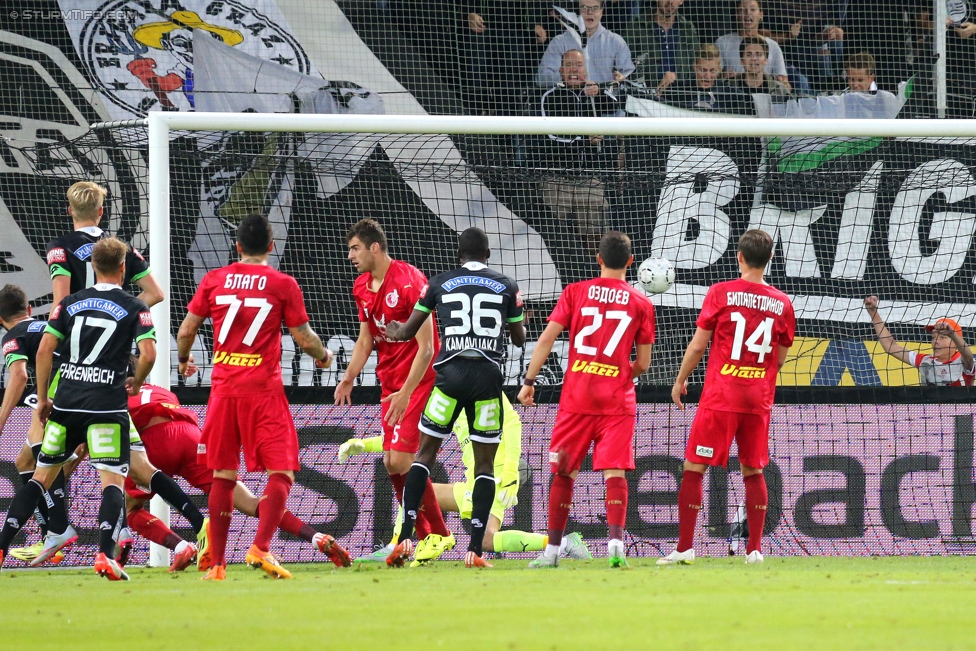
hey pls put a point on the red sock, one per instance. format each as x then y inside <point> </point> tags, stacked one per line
<point>272,509</point>
<point>757,499</point>
<point>560,499</point>
<point>221,505</point>
<point>432,511</point>
<point>398,482</point>
<point>291,524</point>
<point>616,506</point>
<point>152,528</point>
<point>689,504</point>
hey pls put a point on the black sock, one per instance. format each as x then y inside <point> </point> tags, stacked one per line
<point>40,511</point>
<point>413,493</point>
<point>111,519</point>
<point>57,509</point>
<point>23,504</point>
<point>482,497</point>
<point>164,486</point>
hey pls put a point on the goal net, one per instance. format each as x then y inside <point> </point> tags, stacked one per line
<point>865,460</point>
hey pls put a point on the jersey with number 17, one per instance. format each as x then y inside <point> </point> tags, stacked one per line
<point>749,322</point>
<point>248,304</point>
<point>606,318</point>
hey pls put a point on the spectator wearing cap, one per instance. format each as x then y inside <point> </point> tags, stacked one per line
<point>951,361</point>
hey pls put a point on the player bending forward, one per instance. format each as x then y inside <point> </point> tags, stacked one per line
<point>386,291</point>
<point>751,327</point>
<point>456,497</point>
<point>949,365</point>
<point>98,327</point>
<point>606,319</point>
<point>472,304</point>
<point>171,436</point>
<point>248,301</point>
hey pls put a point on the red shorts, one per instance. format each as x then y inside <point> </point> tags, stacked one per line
<point>172,447</point>
<point>712,433</point>
<point>612,436</point>
<point>405,437</point>
<point>261,425</point>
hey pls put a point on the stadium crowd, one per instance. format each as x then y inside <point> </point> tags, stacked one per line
<point>510,50</point>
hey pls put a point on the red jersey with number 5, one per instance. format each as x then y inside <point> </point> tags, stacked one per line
<point>248,304</point>
<point>605,319</point>
<point>749,322</point>
<point>153,402</point>
<point>401,289</point>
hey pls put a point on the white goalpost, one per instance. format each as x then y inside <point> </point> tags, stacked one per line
<point>160,125</point>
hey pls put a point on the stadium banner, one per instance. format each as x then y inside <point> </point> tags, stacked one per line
<point>843,480</point>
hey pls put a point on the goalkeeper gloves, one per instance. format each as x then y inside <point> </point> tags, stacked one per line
<point>508,489</point>
<point>351,448</point>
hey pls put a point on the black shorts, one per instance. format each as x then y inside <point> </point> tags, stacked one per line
<point>107,436</point>
<point>473,386</point>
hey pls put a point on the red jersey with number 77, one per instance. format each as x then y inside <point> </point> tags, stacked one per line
<point>605,318</point>
<point>749,322</point>
<point>248,304</point>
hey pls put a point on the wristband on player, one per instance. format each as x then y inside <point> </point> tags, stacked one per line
<point>529,381</point>
<point>183,359</point>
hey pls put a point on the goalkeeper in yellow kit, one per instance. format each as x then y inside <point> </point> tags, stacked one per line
<point>456,497</point>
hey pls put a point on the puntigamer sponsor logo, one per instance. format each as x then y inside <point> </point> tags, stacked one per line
<point>99,304</point>
<point>478,281</point>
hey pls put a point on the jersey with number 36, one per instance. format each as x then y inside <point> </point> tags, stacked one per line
<point>605,318</point>
<point>248,304</point>
<point>749,322</point>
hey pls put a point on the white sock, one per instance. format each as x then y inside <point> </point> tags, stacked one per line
<point>181,546</point>
<point>315,540</point>
<point>562,545</point>
<point>615,545</point>
<point>552,551</point>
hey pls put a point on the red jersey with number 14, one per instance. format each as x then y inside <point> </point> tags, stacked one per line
<point>399,292</point>
<point>248,304</point>
<point>749,322</point>
<point>153,402</point>
<point>605,318</point>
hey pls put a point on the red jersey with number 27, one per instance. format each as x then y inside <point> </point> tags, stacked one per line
<point>605,318</point>
<point>399,292</point>
<point>749,322</point>
<point>153,402</point>
<point>248,304</point>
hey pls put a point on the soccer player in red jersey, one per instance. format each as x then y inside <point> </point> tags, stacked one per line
<point>248,302</point>
<point>606,319</point>
<point>387,291</point>
<point>751,326</point>
<point>171,436</point>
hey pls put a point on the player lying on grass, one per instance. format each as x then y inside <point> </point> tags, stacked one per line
<point>98,327</point>
<point>385,291</point>
<point>951,361</point>
<point>248,302</point>
<point>750,325</point>
<point>21,343</point>
<point>607,320</point>
<point>473,303</point>
<point>171,436</point>
<point>456,497</point>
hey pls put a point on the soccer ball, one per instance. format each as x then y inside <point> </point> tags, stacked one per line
<point>656,275</point>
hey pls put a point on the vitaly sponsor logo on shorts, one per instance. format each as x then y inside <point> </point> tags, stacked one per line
<point>595,368</point>
<point>237,359</point>
<point>553,457</point>
<point>201,448</point>
<point>744,372</point>
<point>702,451</point>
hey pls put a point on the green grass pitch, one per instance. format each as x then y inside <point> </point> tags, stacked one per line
<point>718,603</point>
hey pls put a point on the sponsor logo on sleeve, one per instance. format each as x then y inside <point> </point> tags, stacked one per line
<point>518,299</point>
<point>423,292</point>
<point>10,347</point>
<point>145,319</point>
<point>702,451</point>
<point>56,255</point>
<point>56,312</point>
<point>138,254</point>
